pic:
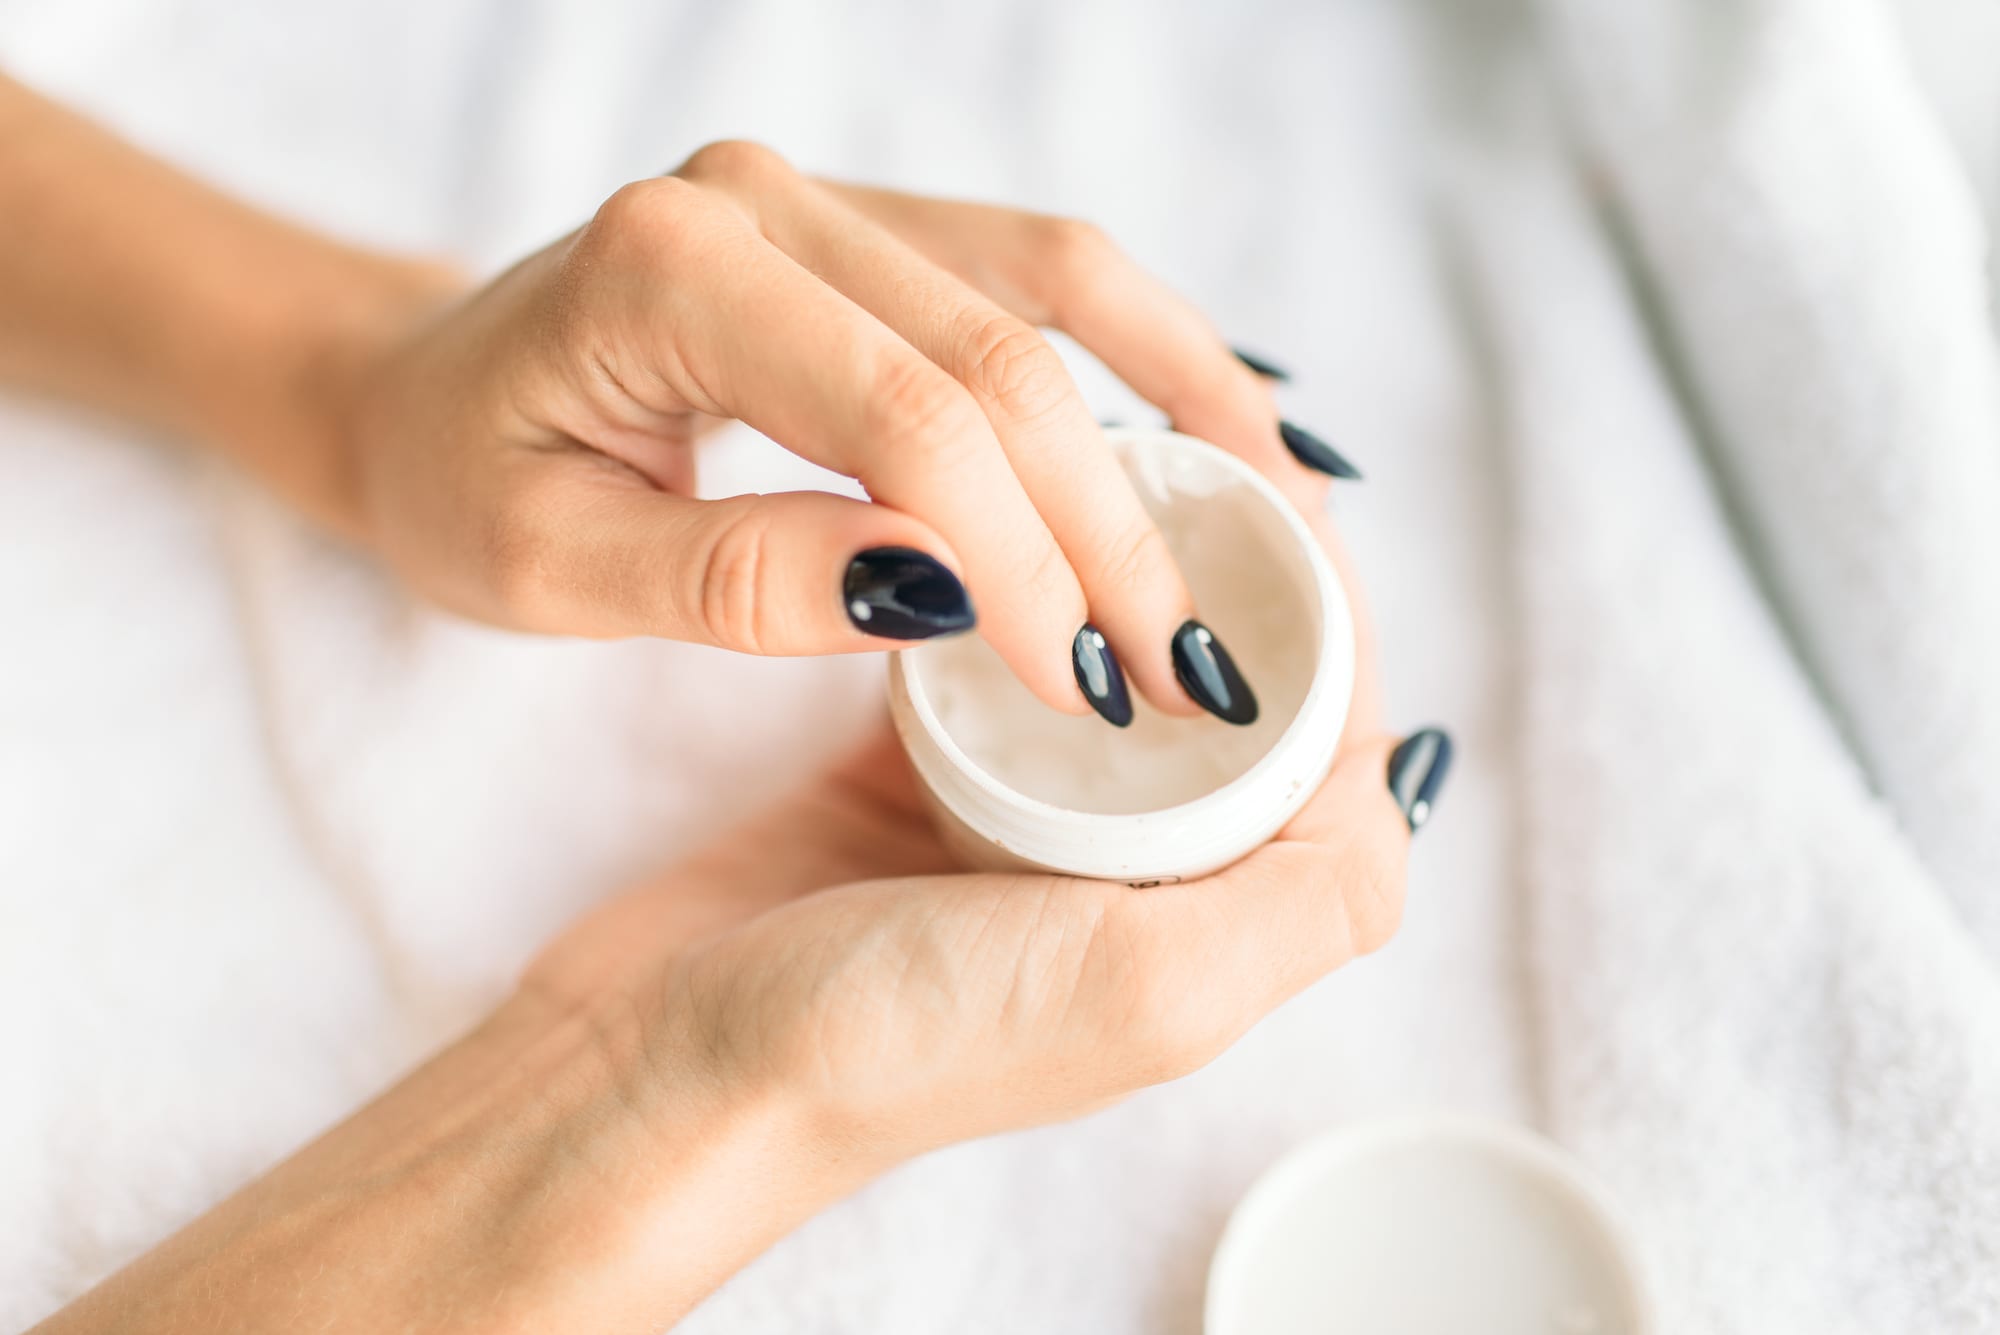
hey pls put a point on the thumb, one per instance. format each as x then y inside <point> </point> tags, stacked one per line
<point>788,573</point>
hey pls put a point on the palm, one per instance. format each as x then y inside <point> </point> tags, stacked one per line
<point>858,822</point>
<point>837,922</point>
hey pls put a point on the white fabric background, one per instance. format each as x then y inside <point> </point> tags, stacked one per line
<point>268,832</point>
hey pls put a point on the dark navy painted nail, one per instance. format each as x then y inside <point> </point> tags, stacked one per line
<point>1208,674</point>
<point>900,593</point>
<point>1269,370</point>
<point>1100,678</point>
<point>1416,772</point>
<point>1313,452</point>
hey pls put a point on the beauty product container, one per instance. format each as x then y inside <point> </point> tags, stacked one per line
<point>1422,1224</point>
<point>1016,784</point>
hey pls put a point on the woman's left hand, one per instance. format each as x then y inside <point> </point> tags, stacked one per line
<point>834,955</point>
<point>833,951</point>
<point>704,1062</point>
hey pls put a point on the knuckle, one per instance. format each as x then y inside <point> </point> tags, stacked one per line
<point>638,206</point>
<point>1130,560</point>
<point>734,164</point>
<point>1072,248</point>
<point>914,405</point>
<point>1047,573</point>
<point>1220,387</point>
<point>1007,362</point>
<point>645,217</point>
<point>1225,382</point>
<point>730,596</point>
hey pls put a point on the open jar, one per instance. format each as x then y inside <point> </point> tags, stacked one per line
<point>1013,783</point>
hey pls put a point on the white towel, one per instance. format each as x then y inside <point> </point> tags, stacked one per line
<point>268,831</point>
<point>1739,327</point>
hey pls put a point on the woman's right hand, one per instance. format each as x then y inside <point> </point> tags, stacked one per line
<point>524,455</point>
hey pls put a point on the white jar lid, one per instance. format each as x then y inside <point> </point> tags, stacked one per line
<point>1428,1226</point>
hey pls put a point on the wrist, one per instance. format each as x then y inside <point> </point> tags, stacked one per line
<point>279,385</point>
<point>130,287</point>
<point>539,1174</point>
<point>675,1169</point>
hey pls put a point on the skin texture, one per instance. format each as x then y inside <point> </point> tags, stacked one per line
<point>713,1055</point>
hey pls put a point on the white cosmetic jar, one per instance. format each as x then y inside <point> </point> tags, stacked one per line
<point>1015,784</point>
<point>1427,1224</point>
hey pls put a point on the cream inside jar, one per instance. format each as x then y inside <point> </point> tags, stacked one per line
<point>1020,783</point>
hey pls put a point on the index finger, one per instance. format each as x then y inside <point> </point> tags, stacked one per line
<point>813,370</point>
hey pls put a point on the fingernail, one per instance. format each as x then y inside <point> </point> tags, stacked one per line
<point>1208,674</point>
<point>1416,773</point>
<point>1268,370</point>
<point>1315,453</point>
<point>900,593</point>
<point>1109,423</point>
<point>1099,677</point>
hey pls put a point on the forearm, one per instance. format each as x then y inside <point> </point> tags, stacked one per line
<point>545,1173</point>
<point>129,287</point>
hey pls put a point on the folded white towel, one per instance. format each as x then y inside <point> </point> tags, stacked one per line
<point>1819,260</point>
<point>1747,366</point>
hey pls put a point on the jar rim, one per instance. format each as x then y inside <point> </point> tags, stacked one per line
<point>1260,799</point>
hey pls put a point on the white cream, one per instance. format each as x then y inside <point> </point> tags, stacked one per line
<point>1015,783</point>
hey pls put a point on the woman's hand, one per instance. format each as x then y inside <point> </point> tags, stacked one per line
<point>920,1006</point>
<point>832,953</point>
<point>704,1063</point>
<point>526,456</point>
<point>707,1060</point>
<point>828,965</point>
<point>524,453</point>
<point>710,1058</point>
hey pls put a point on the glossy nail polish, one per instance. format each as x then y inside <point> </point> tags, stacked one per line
<point>1208,674</point>
<point>1268,370</point>
<point>900,593</point>
<point>1417,771</point>
<point>1316,454</point>
<point>1100,678</point>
